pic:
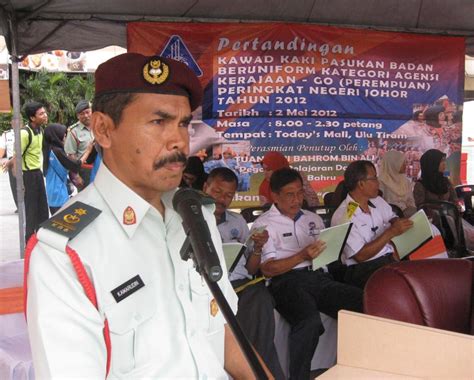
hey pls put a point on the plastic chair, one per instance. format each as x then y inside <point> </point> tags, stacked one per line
<point>466,193</point>
<point>328,198</point>
<point>446,216</point>
<point>397,210</point>
<point>252,213</point>
<point>325,212</point>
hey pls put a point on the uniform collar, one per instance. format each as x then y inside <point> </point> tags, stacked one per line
<point>359,210</point>
<point>120,198</point>
<point>82,126</point>
<point>226,216</point>
<point>275,209</point>
<point>223,218</point>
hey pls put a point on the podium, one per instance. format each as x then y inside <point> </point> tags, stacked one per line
<point>378,348</point>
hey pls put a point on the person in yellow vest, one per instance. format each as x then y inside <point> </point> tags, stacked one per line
<point>36,204</point>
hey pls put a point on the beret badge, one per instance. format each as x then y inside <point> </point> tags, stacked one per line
<point>155,71</point>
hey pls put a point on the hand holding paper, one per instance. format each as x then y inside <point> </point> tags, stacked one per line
<point>313,250</point>
<point>415,236</point>
<point>335,239</point>
<point>401,225</point>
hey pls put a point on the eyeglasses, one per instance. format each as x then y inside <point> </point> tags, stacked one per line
<point>291,196</point>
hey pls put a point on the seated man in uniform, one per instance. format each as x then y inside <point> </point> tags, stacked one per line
<point>108,292</point>
<point>300,293</point>
<point>255,313</point>
<point>368,246</point>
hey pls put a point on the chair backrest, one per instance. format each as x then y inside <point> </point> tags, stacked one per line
<point>435,293</point>
<point>397,210</point>
<point>328,198</point>
<point>252,213</point>
<point>447,218</point>
<point>466,192</point>
<point>325,212</point>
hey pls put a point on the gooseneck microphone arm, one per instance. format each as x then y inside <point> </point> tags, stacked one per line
<point>199,246</point>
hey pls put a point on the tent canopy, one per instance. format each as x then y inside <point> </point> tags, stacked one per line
<point>43,25</point>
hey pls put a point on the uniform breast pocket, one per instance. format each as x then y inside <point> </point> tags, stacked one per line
<point>200,299</point>
<point>128,321</point>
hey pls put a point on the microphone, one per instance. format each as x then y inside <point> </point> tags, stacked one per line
<point>188,204</point>
<point>374,229</point>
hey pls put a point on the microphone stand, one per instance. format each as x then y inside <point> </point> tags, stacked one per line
<point>187,252</point>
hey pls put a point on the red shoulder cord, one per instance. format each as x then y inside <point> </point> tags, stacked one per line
<point>83,279</point>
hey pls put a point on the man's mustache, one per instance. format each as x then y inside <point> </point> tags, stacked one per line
<point>179,157</point>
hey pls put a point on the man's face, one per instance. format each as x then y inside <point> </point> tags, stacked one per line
<point>290,198</point>
<point>40,118</point>
<point>85,116</point>
<point>370,185</point>
<point>147,150</point>
<point>222,191</point>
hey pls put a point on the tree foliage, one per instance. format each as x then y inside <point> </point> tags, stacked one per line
<point>59,92</point>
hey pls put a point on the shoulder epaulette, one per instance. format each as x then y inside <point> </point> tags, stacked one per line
<point>72,220</point>
<point>73,126</point>
<point>351,209</point>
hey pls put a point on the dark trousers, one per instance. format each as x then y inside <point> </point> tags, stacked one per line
<point>12,179</point>
<point>300,295</point>
<point>256,318</point>
<point>36,204</point>
<point>359,274</point>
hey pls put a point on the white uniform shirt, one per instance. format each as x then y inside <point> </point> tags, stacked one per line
<point>7,141</point>
<point>163,330</point>
<point>234,229</point>
<point>288,236</point>
<point>365,227</point>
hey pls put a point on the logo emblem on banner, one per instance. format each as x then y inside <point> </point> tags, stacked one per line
<point>176,49</point>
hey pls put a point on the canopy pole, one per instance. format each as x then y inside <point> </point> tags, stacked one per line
<point>16,123</point>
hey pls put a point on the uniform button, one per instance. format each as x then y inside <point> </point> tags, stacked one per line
<point>137,317</point>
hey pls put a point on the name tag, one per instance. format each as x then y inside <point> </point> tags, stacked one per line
<point>287,234</point>
<point>127,288</point>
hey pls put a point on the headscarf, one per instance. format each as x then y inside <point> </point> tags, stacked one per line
<point>195,167</point>
<point>53,139</point>
<point>390,174</point>
<point>431,178</point>
<point>274,161</point>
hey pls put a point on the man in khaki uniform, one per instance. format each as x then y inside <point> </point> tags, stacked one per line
<point>79,137</point>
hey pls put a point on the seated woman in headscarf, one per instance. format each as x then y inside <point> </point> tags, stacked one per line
<point>434,186</point>
<point>273,161</point>
<point>395,185</point>
<point>57,164</point>
<point>194,175</point>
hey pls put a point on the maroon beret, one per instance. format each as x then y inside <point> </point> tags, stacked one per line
<point>133,72</point>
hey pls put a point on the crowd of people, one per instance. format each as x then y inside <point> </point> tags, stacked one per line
<point>132,307</point>
<point>57,161</point>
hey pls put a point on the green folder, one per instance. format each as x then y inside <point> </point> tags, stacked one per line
<point>335,239</point>
<point>415,237</point>
<point>232,254</point>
